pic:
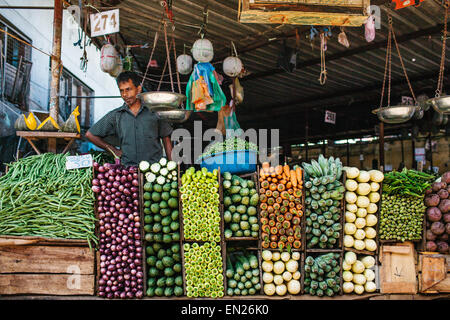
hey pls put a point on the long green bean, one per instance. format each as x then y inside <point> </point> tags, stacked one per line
<point>39,197</point>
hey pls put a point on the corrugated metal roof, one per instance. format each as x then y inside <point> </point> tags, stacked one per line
<point>274,99</point>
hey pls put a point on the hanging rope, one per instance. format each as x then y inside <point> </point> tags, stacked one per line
<point>323,68</point>
<point>388,65</point>
<point>442,66</point>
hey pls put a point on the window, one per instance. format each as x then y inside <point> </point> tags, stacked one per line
<point>72,93</point>
<point>16,71</point>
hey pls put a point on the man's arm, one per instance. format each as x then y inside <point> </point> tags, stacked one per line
<point>167,147</point>
<point>99,142</point>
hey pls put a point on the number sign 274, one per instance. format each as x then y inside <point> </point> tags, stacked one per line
<point>106,22</point>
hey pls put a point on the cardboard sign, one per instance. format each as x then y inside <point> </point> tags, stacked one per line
<point>105,22</point>
<point>78,162</point>
<point>330,117</point>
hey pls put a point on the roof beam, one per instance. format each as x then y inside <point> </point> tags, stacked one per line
<point>347,53</point>
<point>274,110</point>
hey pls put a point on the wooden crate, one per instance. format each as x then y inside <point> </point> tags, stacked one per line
<point>398,270</point>
<point>352,13</point>
<point>46,269</point>
<point>434,273</point>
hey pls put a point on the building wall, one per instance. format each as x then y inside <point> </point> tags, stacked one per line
<point>38,26</point>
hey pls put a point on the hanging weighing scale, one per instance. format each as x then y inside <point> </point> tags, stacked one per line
<point>442,103</point>
<point>402,112</point>
<point>167,105</point>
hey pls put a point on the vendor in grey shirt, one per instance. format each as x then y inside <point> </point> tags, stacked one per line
<point>138,129</point>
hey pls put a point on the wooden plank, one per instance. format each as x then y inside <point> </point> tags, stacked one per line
<point>53,284</point>
<point>397,249</point>
<point>49,241</point>
<point>347,3</point>
<point>356,9</point>
<point>303,18</point>
<point>398,273</point>
<point>47,134</point>
<point>46,259</point>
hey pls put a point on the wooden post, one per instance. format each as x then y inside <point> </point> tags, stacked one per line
<point>56,60</point>
<point>413,147</point>
<point>348,154</point>
<point>306,134</point>
<point>381,149</point>
<point>55,68</point>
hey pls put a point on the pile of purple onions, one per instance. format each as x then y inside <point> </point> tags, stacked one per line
<point>121,250</point>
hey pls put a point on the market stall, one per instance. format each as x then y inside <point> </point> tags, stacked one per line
<point>161,231</point>
<point>231,225</point>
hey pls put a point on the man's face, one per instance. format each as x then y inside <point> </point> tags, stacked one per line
<point>129,91</point>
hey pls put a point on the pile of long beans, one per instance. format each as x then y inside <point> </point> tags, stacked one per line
<point>407,182</point>
<point>39,197</point>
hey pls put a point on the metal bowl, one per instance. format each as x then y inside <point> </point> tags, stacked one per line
<point>171,114</point>
<point>395,114</point>
<point>441,104</point>
<point>162,98</point>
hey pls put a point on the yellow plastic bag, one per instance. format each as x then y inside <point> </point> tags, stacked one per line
<point>32,122</point>
<point>24,123</point>
<point>49,124</point>
<point>72,124</point>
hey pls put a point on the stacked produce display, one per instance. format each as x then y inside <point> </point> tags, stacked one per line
<point>281,272</point>
<point>40,197</point>
<point>162,228</point>
<point>358,274</point>
<point>281,206</point>
<point>361,198</point>
<point>240,205</point>
<point>402,207</point>
<point>200,200</point>
<point>438,215</point>
<point>121,249</point>
<point>322,275</point>
<point>242,272</point>
<point>230,144</point>
<point>164,270</point>
<point>204,266</point>
<point>160,201</point>
<point>204,270</point>
<point>324,192</point>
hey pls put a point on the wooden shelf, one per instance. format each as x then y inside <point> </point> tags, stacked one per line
<point>52,136</point>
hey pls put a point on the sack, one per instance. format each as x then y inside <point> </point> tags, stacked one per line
<point>29,123</point>
<point>369,31</point>
<point>108,58</point>
<point>342,39</point>
<point>49,124</point>
<point>72,124</point>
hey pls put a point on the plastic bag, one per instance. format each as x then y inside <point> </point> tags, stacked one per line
<point>72,124</point>
<point>32,122</point>
<point>369,26</point>
<point>231,124</point>
<point>214,90</point>
<point>239,92</point>
<point>200,94</point>
<point>49,124</point>
<point>342,39</point>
